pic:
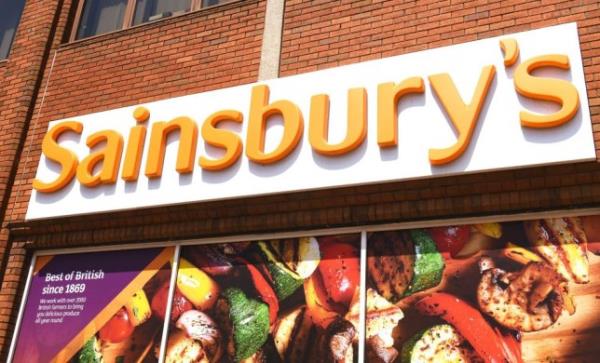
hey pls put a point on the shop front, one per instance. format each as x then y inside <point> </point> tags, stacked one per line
<point>517,286</point>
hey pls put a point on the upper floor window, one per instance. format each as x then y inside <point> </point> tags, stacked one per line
<point>9,20</point>
<point>96,17</point>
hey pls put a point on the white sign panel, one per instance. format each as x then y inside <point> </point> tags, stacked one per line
<point>499,139</point>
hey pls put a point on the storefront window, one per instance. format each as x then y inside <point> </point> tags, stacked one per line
<point>289,300</point>
<point>149,10</point>
<point>101,16</point>
<point>96,307</point>
<point>514,291</point>
<point>9,20</point>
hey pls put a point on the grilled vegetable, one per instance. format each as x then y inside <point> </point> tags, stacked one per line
<point>91,352</point>
<point>181,348</point>
<point>179,306</point>
<point>264,289</point>
<point>300,255</point>
<point>493,230</point>
<point>196,286</point>
<point>202,328</point>
<point>250,323</point>
<point>403,263</point>
<point>527,300</point>
<point>469,323</point>
<point>285,281</point>
<point>440,343</point>
<point>382,317</point>
<point>138,308</point>
<point>450,239</point>
<point>520,254</point>
<point>319,309</point>
<point>563,243</point>
<point>297,339</point>
<point>340,270</point>
<point>210,260</point>
<point>118,328</point>
<point>477,242</point>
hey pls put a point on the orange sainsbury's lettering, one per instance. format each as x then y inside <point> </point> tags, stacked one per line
<point>357,123</point>
<point>188,137</point>
<point>463,116</point>
<point>546,89</point>
<point>260,111</point>
<point>65,157</point>
<point>135,146</point>
<point>388,96</point>
<point>110,156</point>
<point>223,139</point>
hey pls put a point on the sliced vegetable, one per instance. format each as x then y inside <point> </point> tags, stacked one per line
<point>179,306</point>
<point>91,352</point>
<point>285,281</point>
<point>196,285</point>
<point>440,344</point>
<point>451,238</point>
<point>512,347</point>
<point>291,334</point>
<point>264,289</point>
<point>429,263</point>
<point>340,270</point>
<point>402,263</point>
<point>299,255</point>
<point>138,308</point>
<point>476,243</point>
<point>250,319</point>
<point>202,328</point>
<point>563,244</point>
<point>493,230</point>
<point>520,254</point>
<point>210,260</point>
<point>319,310</point>
<point>469,323</point>
<point>118,328</point>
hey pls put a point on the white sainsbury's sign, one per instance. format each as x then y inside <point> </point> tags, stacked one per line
<point>513,101</point>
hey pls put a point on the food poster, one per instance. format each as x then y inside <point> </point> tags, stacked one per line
<point>288,300</point>
<point>96,307</point>
<point>526,291</point>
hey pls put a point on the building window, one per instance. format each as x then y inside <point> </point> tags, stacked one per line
<point>95,17</point>
<point>101,16</point>
<point>149,10</point>
<point>9,20</point>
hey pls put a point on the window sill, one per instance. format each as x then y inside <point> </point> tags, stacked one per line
<point>157,23</point>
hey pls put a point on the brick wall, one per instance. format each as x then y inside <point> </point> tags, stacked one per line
<point>220,47</point>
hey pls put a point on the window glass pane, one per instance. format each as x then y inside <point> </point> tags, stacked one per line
<point>10,14</point>
<point>290,300</point>
<point>206,3</point>
<point>523,291</point>
<point>148,10</point>
<point>101,16</point>
<point>96,307</point>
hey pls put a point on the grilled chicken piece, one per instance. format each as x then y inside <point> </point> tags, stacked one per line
<point>528,300</point>
<point>563,243</point>
<point>381,320</point>
<point>297,339</point>
<point>390,264</point>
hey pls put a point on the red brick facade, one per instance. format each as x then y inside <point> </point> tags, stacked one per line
<point>46,79</point>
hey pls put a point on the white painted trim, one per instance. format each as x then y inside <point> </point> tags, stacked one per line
<point>173,282</point>
<point>13,343</point>
<point>362,331</point>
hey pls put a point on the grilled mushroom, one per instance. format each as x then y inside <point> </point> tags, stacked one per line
<point>527,300</point>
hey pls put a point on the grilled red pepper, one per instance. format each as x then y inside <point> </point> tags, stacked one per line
<point>450,239</point>
<point>469,322</point>
<point>264,289</point>
<point>512,347</point>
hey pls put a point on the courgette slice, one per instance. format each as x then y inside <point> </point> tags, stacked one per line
<point>250,320</point>
<point>440,344</point>
<point>91,353</point>
<point>285,281</point>
<point>429,263</point>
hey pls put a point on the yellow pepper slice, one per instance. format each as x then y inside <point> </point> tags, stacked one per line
<point>199,288</point>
